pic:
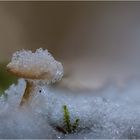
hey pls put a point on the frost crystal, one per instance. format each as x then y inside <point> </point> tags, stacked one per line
<point>39,65</point>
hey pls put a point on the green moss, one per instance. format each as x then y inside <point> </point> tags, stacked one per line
<point>68,128</point>
<point>67,119</point>
<point>75,125</point>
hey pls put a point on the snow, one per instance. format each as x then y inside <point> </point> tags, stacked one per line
<point>114,114</point>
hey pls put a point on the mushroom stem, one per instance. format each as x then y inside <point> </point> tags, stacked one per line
<point>27,93</point>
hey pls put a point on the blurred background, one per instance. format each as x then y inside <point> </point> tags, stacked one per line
<point>97,42</point>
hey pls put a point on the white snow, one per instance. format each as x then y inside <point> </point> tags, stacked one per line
<point>115,113</point>
<point>112,113</point>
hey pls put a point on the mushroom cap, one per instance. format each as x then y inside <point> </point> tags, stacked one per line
<point>39,65</point>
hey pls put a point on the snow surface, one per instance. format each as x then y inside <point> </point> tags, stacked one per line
<point>112,113</point>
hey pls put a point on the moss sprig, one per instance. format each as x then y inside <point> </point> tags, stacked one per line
<point>68,127</point>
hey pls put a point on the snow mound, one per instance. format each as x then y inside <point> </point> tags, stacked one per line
<point>115,114</point>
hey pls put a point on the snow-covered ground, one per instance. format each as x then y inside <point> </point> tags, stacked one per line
<point>112,113</point>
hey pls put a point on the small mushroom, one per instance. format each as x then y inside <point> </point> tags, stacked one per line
<point>35,67</point>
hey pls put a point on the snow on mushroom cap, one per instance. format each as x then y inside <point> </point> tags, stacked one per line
<point>39,65</point>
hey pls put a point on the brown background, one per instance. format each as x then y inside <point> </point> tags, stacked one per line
<point>98,42</point>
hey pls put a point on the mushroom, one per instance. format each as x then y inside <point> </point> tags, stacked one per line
<point>35,67</point>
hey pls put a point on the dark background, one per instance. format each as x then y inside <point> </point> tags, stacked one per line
<point>97,42</point>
